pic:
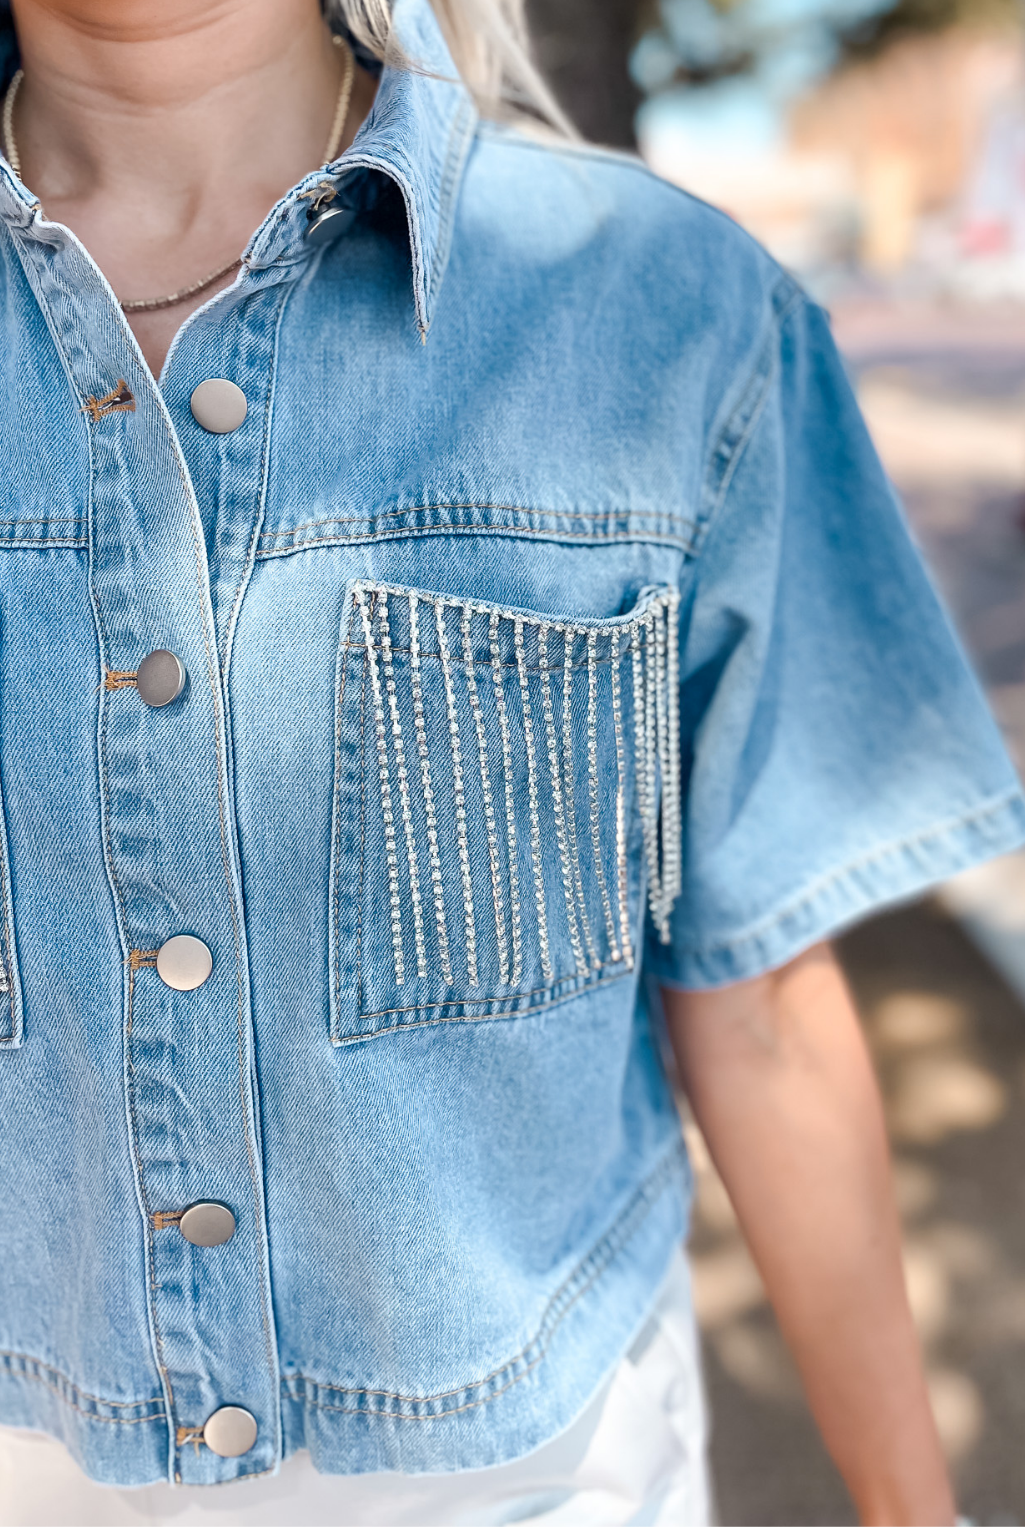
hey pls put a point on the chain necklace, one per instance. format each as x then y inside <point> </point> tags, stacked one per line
<point>154,304</point>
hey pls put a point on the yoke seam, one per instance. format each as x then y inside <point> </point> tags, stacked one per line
<point>512,532</point>
<point>385,514</point>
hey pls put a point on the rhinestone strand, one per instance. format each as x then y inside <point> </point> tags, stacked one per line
<point>400,769</point>
<point>515,917</point>
<point>641,687</point>
<point>569,788</point>
<point>622,878</point>
<point>560,820</point>
<point>592,786</point>
<point>457,785</point>
<point>651,760</point>
<point>535,824</point>
<point>391,852</point>
<point>489,805</point>
<point>674,873</point>
<point>662,735</point>
<point>429,807</point>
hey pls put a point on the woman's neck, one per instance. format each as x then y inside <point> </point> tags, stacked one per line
<point>162,135</point>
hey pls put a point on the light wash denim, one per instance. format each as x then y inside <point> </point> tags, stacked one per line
<point>551,631</point>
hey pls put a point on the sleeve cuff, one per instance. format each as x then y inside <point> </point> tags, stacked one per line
<point>892,872</point>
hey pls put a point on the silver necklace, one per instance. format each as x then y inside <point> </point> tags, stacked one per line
<point>154,304</point>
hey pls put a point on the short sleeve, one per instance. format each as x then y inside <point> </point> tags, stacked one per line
<point>837,752</point>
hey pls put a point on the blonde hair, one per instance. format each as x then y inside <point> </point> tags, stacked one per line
<point>489,43</point>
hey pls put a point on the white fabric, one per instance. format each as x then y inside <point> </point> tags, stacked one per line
<point>636,1455</point>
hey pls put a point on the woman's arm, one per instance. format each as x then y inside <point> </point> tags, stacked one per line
<point>780,1082</point>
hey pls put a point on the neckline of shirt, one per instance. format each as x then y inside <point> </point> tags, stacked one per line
<point>418,133</point>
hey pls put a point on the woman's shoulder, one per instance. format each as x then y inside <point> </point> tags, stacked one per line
<point>605,222</point>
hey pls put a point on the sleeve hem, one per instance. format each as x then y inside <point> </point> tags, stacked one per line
<point>892,872</point>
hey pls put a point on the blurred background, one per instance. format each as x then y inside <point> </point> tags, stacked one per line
<point>877,147</point>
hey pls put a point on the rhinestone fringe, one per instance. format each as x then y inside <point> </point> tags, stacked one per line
<point>423,752</point>
<point>464,804</point>
<point>497,894</point>
<point>515,915</point>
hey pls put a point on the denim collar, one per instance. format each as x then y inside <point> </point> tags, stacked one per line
<point>418,133</point>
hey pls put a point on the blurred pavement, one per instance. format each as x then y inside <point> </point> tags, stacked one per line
<point>940,985</point>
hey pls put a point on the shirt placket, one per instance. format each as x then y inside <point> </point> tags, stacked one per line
<point>173,864</point>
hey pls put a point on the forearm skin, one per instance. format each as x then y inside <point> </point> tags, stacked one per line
<point>778,1076</point>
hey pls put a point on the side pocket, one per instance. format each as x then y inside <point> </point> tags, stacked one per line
<point>11,1020</point>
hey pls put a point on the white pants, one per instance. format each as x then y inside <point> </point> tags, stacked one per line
<point>636,1455</point>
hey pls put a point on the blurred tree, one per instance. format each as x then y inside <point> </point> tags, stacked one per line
<point>787,46</point>
<point>876,32</point>
<point>583,48</point>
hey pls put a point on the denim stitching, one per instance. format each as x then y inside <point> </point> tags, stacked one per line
<point>587,1271</point>
<point>49,520</point>
<point>579,983</point>
<point>729,452</point>
<point>409,533</point>
<point>119,678</point>
<point>254,540</point>
<point>46,1374</point>
<point>517,1013</point>
<point>119,399</point>
<point>30,543</point>
<point>105,792</point>
<point>387,514</point>
<point>147,1212</point>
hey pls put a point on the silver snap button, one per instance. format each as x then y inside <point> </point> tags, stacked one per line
<point>160,678</point>
<point>218,405</point>
<point>330,224</point>
<point>184,962</point>
<point>207,1224</point>
<point>230,1431</point>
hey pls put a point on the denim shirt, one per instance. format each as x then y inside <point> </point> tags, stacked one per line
<point>549,632</point>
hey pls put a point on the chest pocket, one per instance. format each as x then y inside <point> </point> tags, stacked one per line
<point>507,791</point>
